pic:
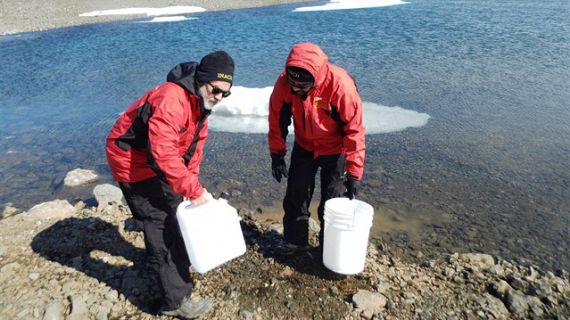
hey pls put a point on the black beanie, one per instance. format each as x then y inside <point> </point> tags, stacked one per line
<point>215,66</point>
<point>300,74</point>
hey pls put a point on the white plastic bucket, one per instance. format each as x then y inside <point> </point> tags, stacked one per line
<point>347,226</point>
<point>211,232</point>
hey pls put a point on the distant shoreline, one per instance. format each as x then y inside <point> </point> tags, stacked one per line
<point>38,15</point>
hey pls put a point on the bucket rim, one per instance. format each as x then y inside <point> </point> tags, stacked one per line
<point>344,199</point>
<point>339,206</point>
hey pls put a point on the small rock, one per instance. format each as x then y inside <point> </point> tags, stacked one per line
<point>79,177</point>
<point>499,289</point>
<point>515,282</point>
<point>367,300</point>
<point>493,306</point>
<point>367,314</point>
<point>10,268</point>
<point>516,303</point>
<point>54,311</point>
<point>334,290</point>
<point>79,205</point>
<point>531,275</point>
<point>34,276</point>
<point>449,272</point>
<point>497,270</point>
<point>536,306</point>
<point>22,313</point>
<point>78,309</point>
<point>382,287</point>
<point>287,272</point>
<point>478,260</point>
<point>102,314</point>
<point>541,289</point>
<point>112,295</point>
<point>9,211</point>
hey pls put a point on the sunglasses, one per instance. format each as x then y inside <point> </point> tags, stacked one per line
<point>217,90</point>
<point>299,85</point>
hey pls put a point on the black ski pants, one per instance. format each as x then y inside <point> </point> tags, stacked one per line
<point>153,204</point>
<point>300,188</point>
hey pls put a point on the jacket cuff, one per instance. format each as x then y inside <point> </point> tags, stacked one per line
<point>197,193</point>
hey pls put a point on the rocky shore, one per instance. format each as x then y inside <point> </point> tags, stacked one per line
<point>59,261</point>
<point>35,15</point>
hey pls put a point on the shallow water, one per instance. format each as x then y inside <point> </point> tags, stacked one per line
<point>488,172</point>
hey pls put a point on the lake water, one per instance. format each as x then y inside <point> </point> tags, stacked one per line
<point>467,105</point>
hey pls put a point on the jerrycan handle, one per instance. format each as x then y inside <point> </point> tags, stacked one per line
<point>353,210</point>
<point>224,198</point>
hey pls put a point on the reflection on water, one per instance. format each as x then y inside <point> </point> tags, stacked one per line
<point>487,173</point>
<point>385,221</point>
<point>389,221</point>
<point>246,111</point>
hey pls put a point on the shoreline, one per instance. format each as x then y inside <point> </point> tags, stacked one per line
<point>87,262</point>
<point>35,15</point>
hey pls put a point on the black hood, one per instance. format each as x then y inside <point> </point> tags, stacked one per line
<point>184,75</point>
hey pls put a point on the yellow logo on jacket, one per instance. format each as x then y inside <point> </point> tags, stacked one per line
<point>319,103</point>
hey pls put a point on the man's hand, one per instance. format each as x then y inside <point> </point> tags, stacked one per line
<point>352,185</point>
<point>205,197</point>
<point>278,166</point>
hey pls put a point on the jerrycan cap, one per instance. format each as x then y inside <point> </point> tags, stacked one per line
<point>225,195</point>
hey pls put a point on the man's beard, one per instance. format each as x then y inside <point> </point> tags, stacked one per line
<point>208,104</point>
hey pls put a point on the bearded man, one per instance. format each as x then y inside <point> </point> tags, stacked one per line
<point>154,151</point>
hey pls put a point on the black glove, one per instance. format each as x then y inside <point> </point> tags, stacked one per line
<point>278,166</point>
<point>352,185</point>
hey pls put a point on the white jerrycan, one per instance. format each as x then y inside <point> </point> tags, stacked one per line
<point>211,232</point>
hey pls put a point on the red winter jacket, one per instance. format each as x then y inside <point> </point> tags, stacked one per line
<point>162,133</point>
<point>329,120</point>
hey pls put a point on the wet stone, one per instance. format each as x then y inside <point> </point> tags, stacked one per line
<point>78,177</point>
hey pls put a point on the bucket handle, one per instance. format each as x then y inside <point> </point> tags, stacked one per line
<point>353,211</point>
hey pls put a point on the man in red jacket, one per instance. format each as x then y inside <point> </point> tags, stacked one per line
<point>154,151</point>
<point>326,109</point>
